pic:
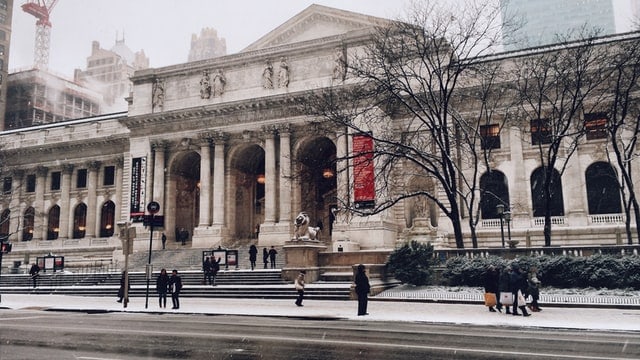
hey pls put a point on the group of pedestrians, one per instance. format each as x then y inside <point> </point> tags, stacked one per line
<point>210,269</point>
<point>509,288</point>
<point>166,284</point>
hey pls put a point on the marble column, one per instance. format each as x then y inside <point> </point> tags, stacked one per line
<point>65,197</point>
<point>218,181</point>
<point>270,185</point>
<point>285,174</point>
<point>119,181</point>
<point>342,166</point>
<point>16,215</point>
<point>158,149</point>
<point>38,225</point>
<point>205,182</point>
<point>92,206</point>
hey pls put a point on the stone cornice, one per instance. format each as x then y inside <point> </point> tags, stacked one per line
<point>119,141</point>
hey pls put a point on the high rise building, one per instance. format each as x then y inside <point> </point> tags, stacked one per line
<point>6,11</point>
<point>206,46</point>
<point>36,97</point>
<point>108,72</point>
<point>540,22</point>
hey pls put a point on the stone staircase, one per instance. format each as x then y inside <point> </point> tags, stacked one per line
<point>261,283</point>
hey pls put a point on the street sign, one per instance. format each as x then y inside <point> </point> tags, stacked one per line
<point>153,207</point>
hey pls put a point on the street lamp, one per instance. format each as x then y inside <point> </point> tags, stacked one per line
<point>500,211</point>
<point>507,217</point>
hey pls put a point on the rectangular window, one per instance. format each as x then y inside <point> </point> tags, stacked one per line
<point>6,185</point>
<point>490,135</point>
<point>81,180</point>
<point>595,125</point>
<point>109,176</point>
<point>31,183</point>
<point>540,131</point>
<point>55,180</point>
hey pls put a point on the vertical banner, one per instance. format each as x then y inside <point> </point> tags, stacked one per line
<point>364,189</point>
<point>138,187</point>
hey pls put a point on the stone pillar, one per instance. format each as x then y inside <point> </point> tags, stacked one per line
<point>205,182</point>
<point>38,225</point>
<point>158,179</point>
<point>92,206</point>
<point>519,183</point>
<point>342,171</point>
<point>65,211</point>
<point>302,255</point>
<point>270,185</point>
<point>119,180</point>
<point>16,214</point>
<point>573,189</point>
<point>285,175</point>
<point>218,181</point>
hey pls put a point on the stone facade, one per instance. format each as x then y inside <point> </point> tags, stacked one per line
<point>223,146</point>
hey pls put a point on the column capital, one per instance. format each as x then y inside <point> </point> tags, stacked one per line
<point>67,168</point>
<point>283,129</point>
<point>219,137</point>
<point>42,170</point>
<point>94,165</point>
<point>158,145</point>
<point>119,161</point>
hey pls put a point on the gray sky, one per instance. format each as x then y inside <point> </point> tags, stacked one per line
<point>162,28</point>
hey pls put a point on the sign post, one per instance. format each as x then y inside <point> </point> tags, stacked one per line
<point>153,208</point>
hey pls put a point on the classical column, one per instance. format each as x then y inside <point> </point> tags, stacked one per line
<point>519,184</point>
<point>285,174</point>
<point>92,206</point>
<point>119,180</point>
<point>342,175</point>
<point>270,176</point>
<point>158,149</point>
<point>65,211</point>
<point>38,223</point>
<point>218,180</point>
<point>16,214</point>
<point>205,181</point>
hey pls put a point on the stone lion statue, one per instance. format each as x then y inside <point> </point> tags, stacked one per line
<point>303,231</point>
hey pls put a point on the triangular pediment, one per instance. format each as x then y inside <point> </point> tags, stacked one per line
<point>316,22</point>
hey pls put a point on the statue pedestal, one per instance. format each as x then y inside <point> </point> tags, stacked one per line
<point>302,255</point>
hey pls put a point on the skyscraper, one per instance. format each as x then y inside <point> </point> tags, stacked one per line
<point>543,22</point>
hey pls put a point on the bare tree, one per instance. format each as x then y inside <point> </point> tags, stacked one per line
<point>555,88</point>
<point>410,91</point>
<point>623,125</point>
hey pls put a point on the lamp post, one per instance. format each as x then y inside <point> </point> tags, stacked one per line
<point>500,211</point>
<point>153,209</point>
<point>507,218</point>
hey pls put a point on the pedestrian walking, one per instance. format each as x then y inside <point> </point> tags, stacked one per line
<point>299,286</point>
<point>175,285</point>
<point>265,257</point>
<point>207,271</point>
<point>35,273</point>
<point>362,290</point>
<point>162,286</point>
<point>164,241</point>
<point>534,289</point>
<point>215,267</point>
<point>253,256</point>
<point>504,280</point>
<point>518,285</point>
<point>491,289</point>
<point>272,256</point>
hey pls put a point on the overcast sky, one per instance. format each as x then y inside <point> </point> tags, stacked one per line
<point>162,28</point>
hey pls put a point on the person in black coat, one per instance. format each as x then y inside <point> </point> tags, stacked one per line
<point>215,267</point>
<point>34,272</point>
<point>162,285</point>
<point>504,279</point>
<point>175,284</point>
<point>518,283</point>
<point>491,285</point>
<point>207,270</point>
<point>362,290</point>
<point>265,257</point>
<point>253,256</point>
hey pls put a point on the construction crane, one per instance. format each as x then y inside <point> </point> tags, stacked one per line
<point>41,9</point>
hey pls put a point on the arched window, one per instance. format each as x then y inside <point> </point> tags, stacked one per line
<point>53,223</point>
<point>4,224</point>
<point>27,224</point>
<point>494,190</point>
<point>107,219</point>
<point>537,193</point>
<point>603,189</point>
<point>80,221</point>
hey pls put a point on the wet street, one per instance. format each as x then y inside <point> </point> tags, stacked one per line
<point>30,334</point>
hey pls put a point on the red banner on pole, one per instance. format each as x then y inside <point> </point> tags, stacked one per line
<point>364,189</point>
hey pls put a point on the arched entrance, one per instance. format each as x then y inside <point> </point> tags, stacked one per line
<point>316,172</point>
<point>248,179</point>
<point>185,176</point>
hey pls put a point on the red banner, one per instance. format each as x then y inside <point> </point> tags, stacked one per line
<point>364,189</point>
